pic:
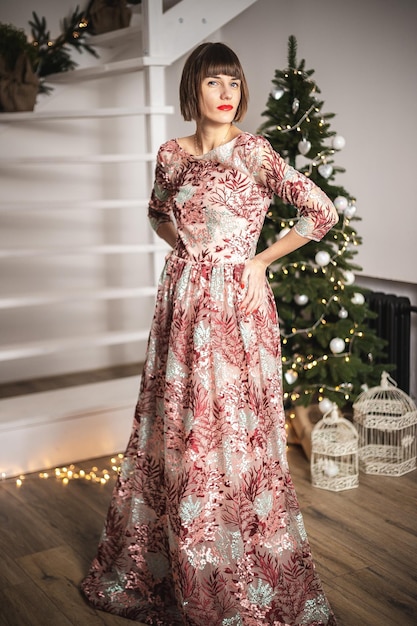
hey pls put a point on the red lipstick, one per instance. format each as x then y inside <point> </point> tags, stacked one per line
<point>225,107</point>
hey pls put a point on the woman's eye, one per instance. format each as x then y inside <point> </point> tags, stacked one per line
<point>234,84</point>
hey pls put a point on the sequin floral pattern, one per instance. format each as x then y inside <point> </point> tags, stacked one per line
<point>204,526</point>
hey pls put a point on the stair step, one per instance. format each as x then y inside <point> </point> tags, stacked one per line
<point>41,348</point>
<point>72,205</point>
<point>76,158</point>
<point>34,407</point>
<point>90,250</point>
<point>30,116</point>
<point>33,299</point>
<point>107,69</point>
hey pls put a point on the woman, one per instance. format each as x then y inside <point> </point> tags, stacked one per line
<point>204,527</point>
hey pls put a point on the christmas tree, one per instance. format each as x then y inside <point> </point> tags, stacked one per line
<point>329,351</point>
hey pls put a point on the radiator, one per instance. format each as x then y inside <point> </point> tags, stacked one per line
<point>394,324</point>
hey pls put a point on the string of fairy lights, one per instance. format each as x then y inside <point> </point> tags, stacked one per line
<point>72,472</point>
<point>296,126</point>
<point>310,361</point>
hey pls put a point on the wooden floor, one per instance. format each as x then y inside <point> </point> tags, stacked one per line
<point>364,541</point>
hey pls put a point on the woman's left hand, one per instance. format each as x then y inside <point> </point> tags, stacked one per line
<point>253,281</point>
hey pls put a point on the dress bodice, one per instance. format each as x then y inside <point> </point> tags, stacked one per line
<point>219,200</point>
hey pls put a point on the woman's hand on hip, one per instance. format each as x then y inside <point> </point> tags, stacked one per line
<point>253,282</point>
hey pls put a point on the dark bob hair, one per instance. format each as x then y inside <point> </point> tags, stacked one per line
<point>209,59</point>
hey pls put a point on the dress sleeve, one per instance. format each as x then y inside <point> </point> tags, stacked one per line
<point>162,196</point>
<point>316,211</point>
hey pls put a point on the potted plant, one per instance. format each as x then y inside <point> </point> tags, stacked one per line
<point>25,65</point>
<point>19,83</point>
<point>108,15</point>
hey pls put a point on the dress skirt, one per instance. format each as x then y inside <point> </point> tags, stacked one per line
<point>204,526</point>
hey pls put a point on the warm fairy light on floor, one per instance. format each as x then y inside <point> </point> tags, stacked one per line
<point>71,472</point>
<point>95,475</point>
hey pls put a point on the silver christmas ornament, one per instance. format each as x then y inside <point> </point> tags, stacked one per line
<point>301,299</point>
<point>291,376</point>
<point>338,142</point>
<point>322,258</point>
<point>340,203</point>
<point>343,314</point>
<point>349,277</point>
<point>325,170</point>
<point>325,405</point>
<point>350,211</point>
<point>330,468</point>
<point>358,298</point>
<point>337,345</point>
<point>295,105</point>
<point>304,146</point>
<point>277,92</point>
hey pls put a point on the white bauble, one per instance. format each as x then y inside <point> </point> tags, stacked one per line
<point>291,376</point>
<point>337,345</point>
<point>301,299</point>
<point>330,468</point>
<point>325,170</point>
<point>277,92</point>
<point>407,441</point>
<point>349,277</point>
<point>338,142</point>
<point>325,405</point>
<point>304,146</point>
<point>343,314</point>
<point>350,211</point>
<point>340,203</point>
<point>322,258</point>
<point>358,298</point>
<point>283,232</point>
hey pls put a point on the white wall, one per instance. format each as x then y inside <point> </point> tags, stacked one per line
<point>19,13</point>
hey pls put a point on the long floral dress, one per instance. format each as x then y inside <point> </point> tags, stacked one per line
<point>204,527</point>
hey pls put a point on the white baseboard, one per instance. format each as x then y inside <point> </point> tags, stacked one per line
<point>55,428</point>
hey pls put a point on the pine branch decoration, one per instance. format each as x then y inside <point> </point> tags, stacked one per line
<point>53,56</point>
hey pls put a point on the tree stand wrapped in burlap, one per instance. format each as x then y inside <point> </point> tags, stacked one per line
<point>107,15</point>
<point>19,86</point>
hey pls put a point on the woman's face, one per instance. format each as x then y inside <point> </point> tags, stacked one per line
<point>219,98</point>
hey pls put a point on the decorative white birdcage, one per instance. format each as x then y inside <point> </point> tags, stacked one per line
<point>334,453</point>
<point>386,421</point>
